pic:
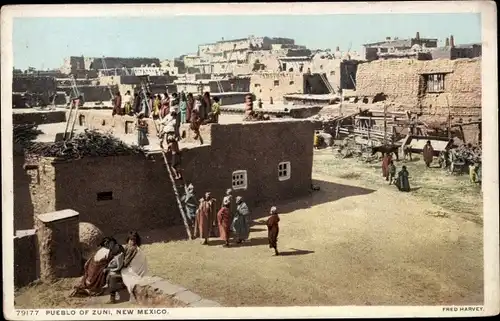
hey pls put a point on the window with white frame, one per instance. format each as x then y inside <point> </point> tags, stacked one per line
<point>284,171</point>
<point>434,83</point>
<point>240,179</point>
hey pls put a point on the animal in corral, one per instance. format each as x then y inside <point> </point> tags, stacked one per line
<point>385,149</point>
<point>407,152</point>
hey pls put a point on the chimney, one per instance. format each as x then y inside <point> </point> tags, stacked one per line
<point>387,38</point>
<point>417,36</point>
<point>452,41</point>
<point>447,42</point>
<point>337,48</point>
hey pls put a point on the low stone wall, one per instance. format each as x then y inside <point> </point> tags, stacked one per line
<point>48,117</point>
<point>26,262</point>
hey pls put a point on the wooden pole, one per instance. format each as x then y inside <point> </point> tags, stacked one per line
<point>449,118</point>
<point>341,99</point>
<point>385,124</point>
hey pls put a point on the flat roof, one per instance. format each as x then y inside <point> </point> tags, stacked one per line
<point>312,97</point>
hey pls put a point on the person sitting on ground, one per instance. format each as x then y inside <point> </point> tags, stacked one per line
<point>113,271</point>
<point>173,147</point>
<point>273,229</point>
<point>94,271</point>
<point>134,263</point>
<point>402,182</point>
<point>392,172</point>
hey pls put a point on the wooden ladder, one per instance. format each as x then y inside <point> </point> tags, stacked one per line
<point>73,113</point>
<point>177,196</point>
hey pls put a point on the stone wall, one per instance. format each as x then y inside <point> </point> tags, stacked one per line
<point>402,81</point>
<point>91,93</point>
<point>39,117</point>
<point>23,205</point>
<point>142,195</point>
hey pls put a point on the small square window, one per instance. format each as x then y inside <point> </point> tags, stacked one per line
<point>284,171</point>
<point>239,179</point>
<point>104,196</point>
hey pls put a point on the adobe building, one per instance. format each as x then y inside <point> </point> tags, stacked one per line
<point>123,192</point>
<point>399,47</point>
<point>433,88</point>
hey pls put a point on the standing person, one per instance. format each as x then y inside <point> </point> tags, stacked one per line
<point>224,222</point>
<point>165,105</point>
<point>248,106</point>
<point>428,153</point>
<point>156,107</point>
<point>183,108</point>
<point>241,220</point>
<point>190,106</point>
<point>127,99</point>
<point>173,147</point>
<point>205,218</point>
<point>137,103</point>
<point>385,165</point>
<point>190,202</point>
<point>117,104</point>
<point>168,127</point>
<point>215,110</point>
<point>142,130</point>
<point>392,172</point>
<point>207,101</point>
<point>273,229</point>
<point>402,182</point>
<point>175,107</point>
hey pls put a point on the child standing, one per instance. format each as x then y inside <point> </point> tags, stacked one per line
<point>392,172</point>
<point>142,130</point>
<point>273,229</point>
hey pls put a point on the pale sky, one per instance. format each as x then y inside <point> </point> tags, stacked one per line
<point>45,42</point>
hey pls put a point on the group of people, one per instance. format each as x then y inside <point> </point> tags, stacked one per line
<point>112,267</point>
<point>401,181</point>
<point>232,217</point>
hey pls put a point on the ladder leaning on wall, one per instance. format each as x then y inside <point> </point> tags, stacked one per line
<point>73,110</point>
<point>175,187</point>
<point>327,83</point>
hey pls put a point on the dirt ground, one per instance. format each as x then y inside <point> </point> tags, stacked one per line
<point>356,241</point>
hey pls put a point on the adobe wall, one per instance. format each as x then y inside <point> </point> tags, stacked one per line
<point>400,80</point>
<point>142,192</point>
<point>23,205</point>
<point>263,85</point>
<point>26,258</point>
<point>38,118</point>
<point>91,93</point>
<point>33,84</point>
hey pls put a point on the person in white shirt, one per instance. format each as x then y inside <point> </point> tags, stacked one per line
<point>127,99</point>
<point>168,128</point>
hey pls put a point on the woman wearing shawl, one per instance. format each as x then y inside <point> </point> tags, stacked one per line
<point>207,105</point>
<point>190,202</point>
<point>190,106</point>
<point>165,106</point>
<point>402,182</point>
<point>428,153</point>
<point>241,221</point>
<point>224,221</point>
<point>156,107</point>
<point>183,107</point>
<point>94,271</point>
<point>273,229</point>
<point>385,165</point>
<point>205,218</point>
<point>134,263</point>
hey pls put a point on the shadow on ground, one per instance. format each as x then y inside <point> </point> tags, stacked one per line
<point>295,252</point>
<point>328,192</point>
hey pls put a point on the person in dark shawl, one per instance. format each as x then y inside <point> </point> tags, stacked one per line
<point>205,218</point>
<point>428,153</point>
<point>190,202</point>
<point>190,106</point>
<point>206,105</point>
<point>402,182</point>
<point>117,104</point>
<point>224,222</point>
<point>137,103</point>
<point>273,229</point>
<point>94,271</point>
<point>385,165</point>
<point>133,242</point>
<point>241,221</point>
<point>195,124</point>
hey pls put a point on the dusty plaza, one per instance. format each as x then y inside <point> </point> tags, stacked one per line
<point>252,171</point>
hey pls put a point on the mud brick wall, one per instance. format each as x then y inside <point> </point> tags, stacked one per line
<point>400,80</point>
<point>59,246</point>
<point>26,262</point>
<point>33,84</point>
<point>276,85</point>
<point>142,194</point>
<point>38,118</point>
<point>23,205</point>
<point>91,93</point>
